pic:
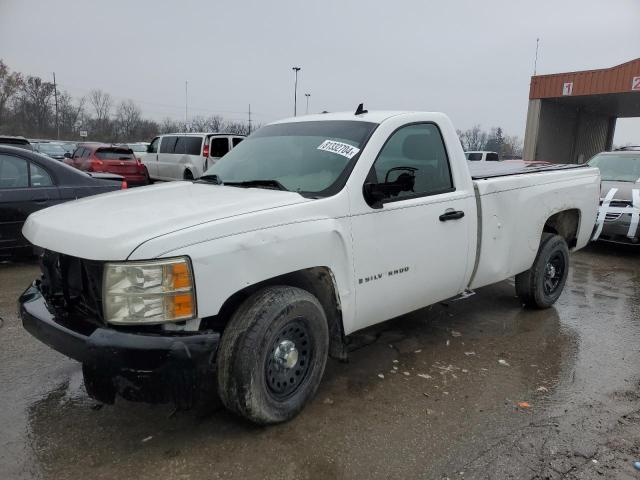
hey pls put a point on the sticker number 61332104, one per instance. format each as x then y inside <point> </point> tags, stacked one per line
<point>340,148</point>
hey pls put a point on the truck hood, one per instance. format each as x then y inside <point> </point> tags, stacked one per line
<point>110,226</point>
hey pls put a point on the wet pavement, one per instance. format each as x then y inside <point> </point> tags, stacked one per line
<point>478,388</point>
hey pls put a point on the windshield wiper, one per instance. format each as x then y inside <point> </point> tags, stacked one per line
<point>272,184</point>
<point>211,179</point>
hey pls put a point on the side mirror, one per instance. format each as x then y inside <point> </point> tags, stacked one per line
<point>67,155</point>
<point>375,193</point>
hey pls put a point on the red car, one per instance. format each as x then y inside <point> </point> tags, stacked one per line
<point>99,157</point>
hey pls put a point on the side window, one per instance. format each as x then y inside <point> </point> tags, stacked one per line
<point>14,172</point>
<point>237,140</point>
<point>168,144</point>
<point>86,152</point>
<point>153,146</point>
<point>77,153</point>
<point>219,146</point>
<point>189,145</point>
<point>492,157</point>
<point>40,177</point>
<point>415,150</point>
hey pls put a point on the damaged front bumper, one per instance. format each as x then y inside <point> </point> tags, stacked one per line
<point>148,367</point>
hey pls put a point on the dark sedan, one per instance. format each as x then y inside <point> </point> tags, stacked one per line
<point>30,181</point>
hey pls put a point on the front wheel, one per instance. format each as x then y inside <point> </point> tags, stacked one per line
<point>273,354</point>
<point>542,284</point>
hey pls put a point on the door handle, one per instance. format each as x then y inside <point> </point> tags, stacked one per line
<point>40,199</point>
<point>451,215</point>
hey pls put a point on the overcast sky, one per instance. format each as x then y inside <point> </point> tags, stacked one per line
<point>470,59</point>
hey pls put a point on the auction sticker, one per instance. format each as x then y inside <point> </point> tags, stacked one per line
<point>340,148</point>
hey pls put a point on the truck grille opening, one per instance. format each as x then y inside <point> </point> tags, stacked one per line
<point>73,285</point>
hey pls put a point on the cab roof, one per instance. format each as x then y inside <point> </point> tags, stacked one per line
<point>377,116</point>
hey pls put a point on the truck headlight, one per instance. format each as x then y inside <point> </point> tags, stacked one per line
<point>148,292</point>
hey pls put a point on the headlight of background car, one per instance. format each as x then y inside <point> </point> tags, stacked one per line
<point>149,292</point>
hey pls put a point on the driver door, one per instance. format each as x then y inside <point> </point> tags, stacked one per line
<point>410,250</point>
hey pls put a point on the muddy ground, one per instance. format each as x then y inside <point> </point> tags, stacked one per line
<point>449,405</point>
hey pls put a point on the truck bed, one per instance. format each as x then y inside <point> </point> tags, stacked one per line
<point>513,203</point>
<point>484,170</point>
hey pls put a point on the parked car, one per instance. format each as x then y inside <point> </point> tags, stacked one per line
<point>15,141</point>
<point>91,157</point>
<point>51,149</point>
<point>29,182</point>
<point>309,230</point>
<point>139,149</point>
<point>482,156</point>
<point>185,156</point>
<point>619,212</point>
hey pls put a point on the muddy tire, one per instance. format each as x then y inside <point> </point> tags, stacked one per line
<point>273,354</point>
<point>188,175</point>
<point>542,284</point>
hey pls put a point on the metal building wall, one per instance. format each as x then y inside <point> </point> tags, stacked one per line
<point>556,132</point>
<point>592,133</point>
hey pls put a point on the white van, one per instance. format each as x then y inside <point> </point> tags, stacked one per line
<point>185,156</point>
<point>482,156</point>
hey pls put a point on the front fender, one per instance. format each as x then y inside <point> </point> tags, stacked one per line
<point>226,265</point>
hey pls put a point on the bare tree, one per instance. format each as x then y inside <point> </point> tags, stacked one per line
<point>240,128</point>
<point>10,84</point>
<point>128,118</point>
<point>35,104</point>
<point>101,103</point>
<point>473,139</point>
<point>70,112</point>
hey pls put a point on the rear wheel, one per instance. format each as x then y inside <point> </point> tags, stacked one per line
<point>188,175</point>
<point>273,354</point>
<point>542,284</point>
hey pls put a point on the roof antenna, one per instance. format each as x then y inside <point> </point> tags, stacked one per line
<point>360,110</point>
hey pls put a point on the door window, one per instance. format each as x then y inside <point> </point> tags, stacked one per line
<point>39,176</point>
<point>418,151</point>
<point>14,172</point>
<point>219,146</point>
<point>492,157</point>
<point>86,152</point>
<point>237,140</point>
<point>153,146</point>
<point>168,144</point>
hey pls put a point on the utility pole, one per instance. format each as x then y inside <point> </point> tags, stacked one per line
<point>295,92</point>
<point>249,119</point>
<point>535,63</point>
<point>186,103</point>
<point>55,95</point>
<point>307,95</point>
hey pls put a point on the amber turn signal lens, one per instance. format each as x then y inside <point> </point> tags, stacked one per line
<point>182,306</point>
<point>180,275</point>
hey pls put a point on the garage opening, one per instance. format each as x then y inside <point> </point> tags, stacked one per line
<point>572,116</point>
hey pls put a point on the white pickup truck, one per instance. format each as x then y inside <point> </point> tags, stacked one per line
<point>246,280</point>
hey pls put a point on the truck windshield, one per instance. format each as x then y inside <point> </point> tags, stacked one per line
<point>618,168</point>
<point>314,157</point>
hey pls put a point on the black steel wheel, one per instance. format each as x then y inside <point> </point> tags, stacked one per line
<point>542,284</point>
<point>554,273</point>
<point>272,354</point>
<point>288,359</point>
